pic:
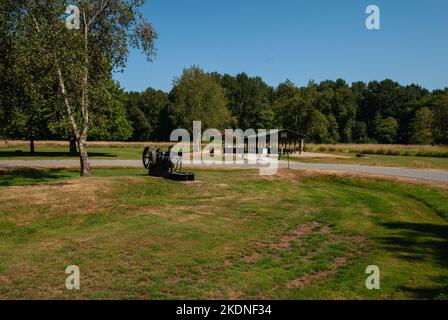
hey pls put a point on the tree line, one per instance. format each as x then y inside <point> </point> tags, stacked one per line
<point>327,112</point>
<point>57,82</point>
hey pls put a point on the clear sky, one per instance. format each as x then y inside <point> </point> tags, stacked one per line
<point>295,39</point>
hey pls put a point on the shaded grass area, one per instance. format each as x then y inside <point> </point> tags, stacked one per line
<point>382,160</point>
<point>434,198</point>
<point>111,153</point>
<point>19,150</point>
<point>50,154</point>
<point>33,176</point>
<point>231,234</point>
<point>25,176</point>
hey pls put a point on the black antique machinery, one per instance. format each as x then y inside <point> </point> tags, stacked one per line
<point>165,164</point>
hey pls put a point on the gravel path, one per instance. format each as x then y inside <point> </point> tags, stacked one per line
<point>419,174</point>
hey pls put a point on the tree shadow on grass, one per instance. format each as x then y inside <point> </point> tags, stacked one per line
<point>421,242</point>
<point>439,293</point>
<point>52,154</point>
<point>11,177</point>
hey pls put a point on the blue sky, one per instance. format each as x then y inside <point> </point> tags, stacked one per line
<point>295,39</point>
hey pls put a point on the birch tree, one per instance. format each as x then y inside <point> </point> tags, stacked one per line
<point>84,41</point>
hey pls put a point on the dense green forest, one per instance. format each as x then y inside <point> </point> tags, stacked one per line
<point>327,112</point>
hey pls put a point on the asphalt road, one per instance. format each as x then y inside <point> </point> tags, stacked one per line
<point>418,174</point>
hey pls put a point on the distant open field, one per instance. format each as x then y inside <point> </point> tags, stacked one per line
<point>382,149</point>
<point>297,235</point>
<point>378,160</point>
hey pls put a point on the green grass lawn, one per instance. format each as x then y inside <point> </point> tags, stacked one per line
<point>231,234</point>
<point>383,160</point>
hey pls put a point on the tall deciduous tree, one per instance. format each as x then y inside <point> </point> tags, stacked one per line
<point>198,96</point>
<point>35,87</point>
<point>295,107</point>
<point>82,57</point>
<point>422,127</point>
<point>6,61</point>
<point>250,101</point>
<point>110,121</point>
<point>386,129</point>
<point>439,108</point>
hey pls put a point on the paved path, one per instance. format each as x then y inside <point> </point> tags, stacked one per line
<point>419,174</point>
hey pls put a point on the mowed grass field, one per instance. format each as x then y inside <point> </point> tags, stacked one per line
<point>377,155</point>
<point>405,156</point>
<point>229,235</point>
<point>383,149</point>
<point>379,160</point>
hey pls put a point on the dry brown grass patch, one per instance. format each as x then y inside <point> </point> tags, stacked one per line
<point>310,278</point>
<point>298,234</point>
<point>79,197</point>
